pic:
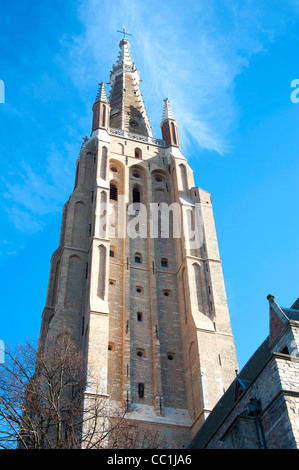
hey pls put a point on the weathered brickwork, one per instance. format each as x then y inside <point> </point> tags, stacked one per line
<point>149,312</point>
<point>270,382</point>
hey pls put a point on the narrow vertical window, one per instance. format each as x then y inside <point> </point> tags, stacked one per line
<point>136,195</point>
<point>141,390</point>
<point>139,316</point>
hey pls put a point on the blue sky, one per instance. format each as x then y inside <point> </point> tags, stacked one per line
<point>226,67</point>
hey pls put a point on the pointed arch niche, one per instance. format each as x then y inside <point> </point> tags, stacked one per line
<point>103,169</point>
<point>73,295</point>
<point>173,131</point>
<point>79,234</point>
<point>138,185</point>
<point>199,287</point>
<point>194,371</point>
<point>102,272</point>
<point>184,180</point>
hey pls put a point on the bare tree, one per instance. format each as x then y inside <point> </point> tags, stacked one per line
<point>44,404</point>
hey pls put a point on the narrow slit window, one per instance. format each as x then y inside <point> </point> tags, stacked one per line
<point>141,390</point>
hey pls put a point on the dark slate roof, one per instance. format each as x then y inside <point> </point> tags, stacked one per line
<point>219,413</point>
<point>295,305</point>
<point>291,313</point>
<point>249,372</point>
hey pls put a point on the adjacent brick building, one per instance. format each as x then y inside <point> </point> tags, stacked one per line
<point>148,309</point>
<point>260,410</point>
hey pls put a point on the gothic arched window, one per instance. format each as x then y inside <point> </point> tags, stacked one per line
<point>138,153</point>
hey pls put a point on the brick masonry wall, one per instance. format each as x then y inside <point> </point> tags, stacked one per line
<point>180,364</point>
<point>277,389</point>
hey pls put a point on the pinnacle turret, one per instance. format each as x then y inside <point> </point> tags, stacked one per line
<point>101,96</point>
<point>169,126</point>
<point>167,111</point>
<point>101,110</point>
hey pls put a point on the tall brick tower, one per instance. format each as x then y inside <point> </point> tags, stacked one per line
<point>147,308</point>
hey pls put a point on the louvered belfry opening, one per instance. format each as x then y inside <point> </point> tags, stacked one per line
<point>136,195</point>
<point>113,192</point>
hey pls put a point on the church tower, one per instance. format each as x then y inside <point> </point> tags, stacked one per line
<point>137,279</point>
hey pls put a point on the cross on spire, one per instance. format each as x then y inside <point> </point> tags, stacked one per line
<point>124,32</point>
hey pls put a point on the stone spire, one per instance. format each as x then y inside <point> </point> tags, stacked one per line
<point>128,111</point>
<point>101,96</point>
